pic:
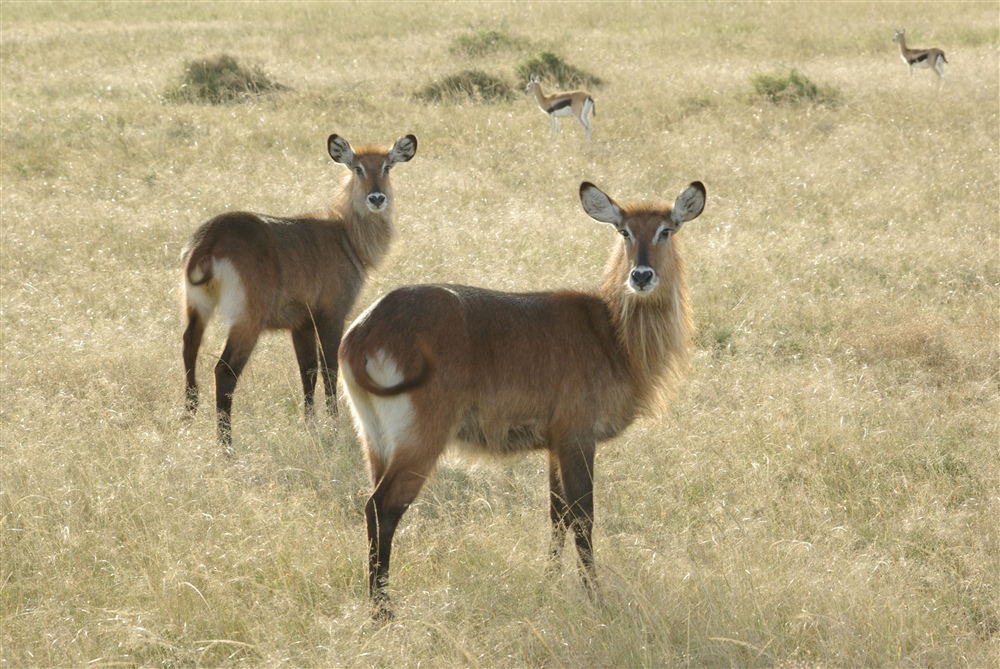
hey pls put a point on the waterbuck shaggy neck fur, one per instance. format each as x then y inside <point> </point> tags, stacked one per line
<point>301,274</point>
<point>502,373</point>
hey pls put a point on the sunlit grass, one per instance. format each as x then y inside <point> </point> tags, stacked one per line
<point>824,491</point>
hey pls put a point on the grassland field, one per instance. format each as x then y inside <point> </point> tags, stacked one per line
<point>825,491</point>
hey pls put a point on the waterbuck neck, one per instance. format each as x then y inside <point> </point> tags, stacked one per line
<point>654,331</point>
<point>368,234</point>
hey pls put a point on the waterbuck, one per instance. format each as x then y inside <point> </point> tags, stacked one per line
<point>502,372</point>
<point>301,274</point>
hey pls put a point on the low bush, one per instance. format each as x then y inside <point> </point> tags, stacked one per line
<point>791,87</point>
<point>554,71</point>
<point>221,80</point>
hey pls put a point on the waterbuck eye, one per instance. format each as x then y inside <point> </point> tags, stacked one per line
<point>360,170</point>
<point>385,169</point>
<point>666,233</point>
<point>624,233</point>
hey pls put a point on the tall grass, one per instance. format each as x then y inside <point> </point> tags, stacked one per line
<point>825,491</point>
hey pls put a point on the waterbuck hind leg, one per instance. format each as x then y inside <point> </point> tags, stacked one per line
<point>576,464</point>
<point>304,342</point>
<point>396,490</point>
<point>192,342</point>
<point>234,358</point>
<point>330,332</point>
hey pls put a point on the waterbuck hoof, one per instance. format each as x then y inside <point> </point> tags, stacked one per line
<point>190,403</point>
<point>382,614</point>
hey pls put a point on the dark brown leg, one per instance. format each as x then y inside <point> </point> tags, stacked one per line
<point>234,358</point>
<point>192,342</point>
<point>392,497</point>
<point>304,341</point>
<point>330,332</point>
<point>576,463</point>
<point>558,511</point>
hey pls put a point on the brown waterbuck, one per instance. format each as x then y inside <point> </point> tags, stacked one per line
<point>578,104</point>
<point>503,373</point>
<point>301,274</point>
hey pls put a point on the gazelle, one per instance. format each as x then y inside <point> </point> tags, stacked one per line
<point>579,104</point>
<point>920,58</point>
<point>301,274</point>
<point>502,373</point>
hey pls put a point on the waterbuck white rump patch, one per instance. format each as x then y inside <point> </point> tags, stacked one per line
<point>388,421</point>
<point>224,291</point>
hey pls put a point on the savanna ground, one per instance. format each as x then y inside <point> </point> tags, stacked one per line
<point>825,491</point>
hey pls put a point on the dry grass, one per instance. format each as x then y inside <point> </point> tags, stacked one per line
<point>825,492</point>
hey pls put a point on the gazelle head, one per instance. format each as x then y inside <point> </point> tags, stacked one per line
<point>370,167</point>
<point>900,35</point>
<point>533,83</point>
<point>646,230</point>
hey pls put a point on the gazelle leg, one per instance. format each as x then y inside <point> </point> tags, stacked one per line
<point>585,122</point>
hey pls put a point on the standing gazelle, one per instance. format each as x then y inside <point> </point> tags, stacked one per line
<point>500,372</point>
<point>579,104</point>
<point>921,58</point>
<point>300,274</point>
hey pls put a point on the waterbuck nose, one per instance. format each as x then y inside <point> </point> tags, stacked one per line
<point>376,200</point>
<point>641,277</point>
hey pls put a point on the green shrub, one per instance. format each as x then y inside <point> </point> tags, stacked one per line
<point>221,80</point>
<point>555,72</point>
<point>791,87</point>
<point>474,84</point>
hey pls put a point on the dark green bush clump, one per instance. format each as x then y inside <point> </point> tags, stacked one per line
<point>474,84</point>
<point>555,72</point>
<point>791,87</point>
<point>221,80</point>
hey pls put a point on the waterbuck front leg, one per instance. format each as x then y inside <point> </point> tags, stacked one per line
<point>576,467</point>
<point>330,330</point>
<point>192,342</point>
<point>304,342</point>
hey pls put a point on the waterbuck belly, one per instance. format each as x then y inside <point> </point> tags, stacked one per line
<point>289,316</point>
<point>478,433</point>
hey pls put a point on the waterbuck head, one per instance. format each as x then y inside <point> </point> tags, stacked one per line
<point>370,165</point>
<point>647,250</point>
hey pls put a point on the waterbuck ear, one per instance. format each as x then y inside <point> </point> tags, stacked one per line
<point>340,150</point>
<point>689,204</point>
<point>599,206</point>
<point>403,150</point>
